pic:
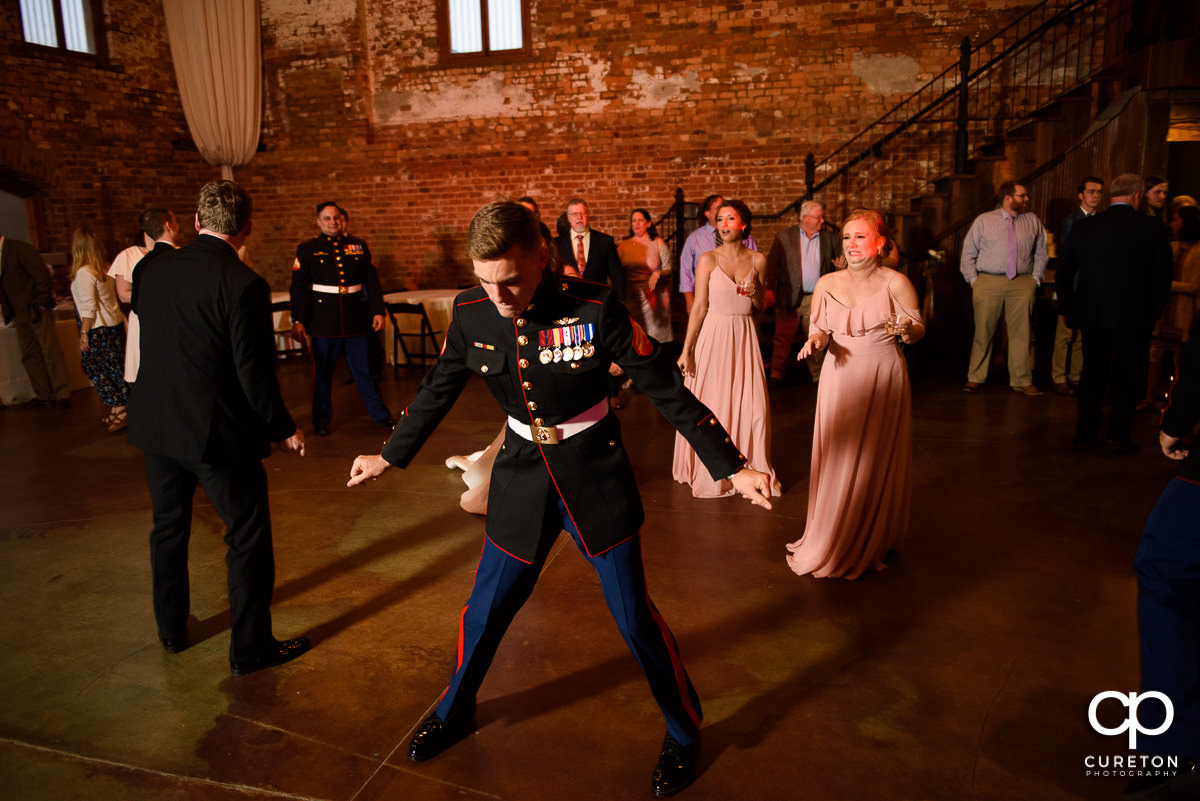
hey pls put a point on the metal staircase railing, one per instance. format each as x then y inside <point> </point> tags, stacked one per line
<point>997,85</point>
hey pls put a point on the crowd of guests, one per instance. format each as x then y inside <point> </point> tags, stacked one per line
<point>1127,280</point>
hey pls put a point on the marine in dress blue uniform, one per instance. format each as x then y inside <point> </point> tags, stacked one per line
<point>543,345</point>
<point>337,300</point>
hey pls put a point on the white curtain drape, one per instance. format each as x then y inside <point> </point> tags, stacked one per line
<point>216,47</point>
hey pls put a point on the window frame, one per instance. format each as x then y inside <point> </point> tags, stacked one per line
<point>481,57</point>
<point>99,36</point>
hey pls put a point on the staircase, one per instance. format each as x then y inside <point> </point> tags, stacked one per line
<point>1012,102</point>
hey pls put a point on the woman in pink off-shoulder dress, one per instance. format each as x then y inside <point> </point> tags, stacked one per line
<point>721,362</point>
<point>860,484</point>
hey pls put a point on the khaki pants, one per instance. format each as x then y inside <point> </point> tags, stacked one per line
<point>1064,346</point>
<point>992,295</point>
<point>43,358</point>
<point>787,323</point>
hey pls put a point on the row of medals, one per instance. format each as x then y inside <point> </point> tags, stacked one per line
<point>570,344</point>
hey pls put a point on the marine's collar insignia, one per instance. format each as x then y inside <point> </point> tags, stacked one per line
<point>567,321</point>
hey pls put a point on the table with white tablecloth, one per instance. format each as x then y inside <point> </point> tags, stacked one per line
<point>14,381</point>
<point>439,308</point>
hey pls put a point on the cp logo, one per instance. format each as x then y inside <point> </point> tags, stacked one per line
<point>1131,723</point>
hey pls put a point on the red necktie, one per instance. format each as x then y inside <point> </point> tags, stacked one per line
<point>580,259</point>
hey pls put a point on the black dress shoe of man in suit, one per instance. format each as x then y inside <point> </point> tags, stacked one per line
<point>173,645</point>
<point>676,767</point>
<point>282,651</point>
<point>435,735</point>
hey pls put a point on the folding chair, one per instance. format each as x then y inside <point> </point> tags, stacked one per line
<point>425,336</point>
<point>284,333</point>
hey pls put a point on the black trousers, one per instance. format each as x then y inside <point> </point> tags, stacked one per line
<point>238,492</point>
<point>1116,362</point>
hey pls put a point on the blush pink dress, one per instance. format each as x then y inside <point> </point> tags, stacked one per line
<point>860,485</point>
<point>730,381</point>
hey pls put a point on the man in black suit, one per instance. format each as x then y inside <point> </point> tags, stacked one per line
<point>592,253</point>
<point>206,408</point>
<point>1112,285</point>
<point>27,300</point>
<point>1068,344</point>
<point>543,345</point>
<point>160,226</point>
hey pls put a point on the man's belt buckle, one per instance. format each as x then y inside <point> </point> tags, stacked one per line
<point>341,290</point>
<point>544,435</point>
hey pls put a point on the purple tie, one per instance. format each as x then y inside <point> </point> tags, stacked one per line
<point>1011,270</point>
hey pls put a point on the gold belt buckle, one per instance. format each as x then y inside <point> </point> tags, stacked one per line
<point>544,435</point>
<point>341,290</point>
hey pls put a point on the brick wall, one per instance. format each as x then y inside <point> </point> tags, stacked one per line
<point>98,139</point>
<point>620,102</point>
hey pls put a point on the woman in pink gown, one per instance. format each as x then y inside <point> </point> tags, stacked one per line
<point>721,362</point>
<point>859,485</point>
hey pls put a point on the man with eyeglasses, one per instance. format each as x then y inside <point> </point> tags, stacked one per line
<point>1004,259</point>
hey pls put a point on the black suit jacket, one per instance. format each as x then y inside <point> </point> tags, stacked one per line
<point>1115,272</point>
<point>590,469</point>
<point>603,263</point>
<point>26,287</point>
<point>206,389</point>
<point>1068,224</point>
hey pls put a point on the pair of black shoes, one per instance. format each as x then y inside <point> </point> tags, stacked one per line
<point>282,651</point>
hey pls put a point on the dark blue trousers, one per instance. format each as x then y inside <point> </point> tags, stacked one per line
<point>502,585</point>
<point>1168,570</point>
<point>326,351</point>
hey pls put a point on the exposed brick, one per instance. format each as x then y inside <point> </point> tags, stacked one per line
<point>621,102</point>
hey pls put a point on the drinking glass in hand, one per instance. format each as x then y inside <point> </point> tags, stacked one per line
<point>895,325</point>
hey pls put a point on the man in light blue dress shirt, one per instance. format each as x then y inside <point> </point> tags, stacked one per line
<point>1004,259</point>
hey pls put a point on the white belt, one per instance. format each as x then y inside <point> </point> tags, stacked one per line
<point>552,435</point>
<point>333,289</point>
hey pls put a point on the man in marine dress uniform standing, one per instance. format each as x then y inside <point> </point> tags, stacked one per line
<point>336,299</point>
<point>543,346</point>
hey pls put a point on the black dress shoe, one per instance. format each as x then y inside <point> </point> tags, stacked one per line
<point>282,651</point>
<point>321,431</point>
<point>173,645</point>
<point>386,422</point>
<point>676,767</point>
<point>434,736</point>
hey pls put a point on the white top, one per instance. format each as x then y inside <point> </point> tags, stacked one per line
<point>97,298</point>
<point>122,267</point>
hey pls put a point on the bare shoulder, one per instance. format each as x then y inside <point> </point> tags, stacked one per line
<point>830,281</point>
<point>900,286</point>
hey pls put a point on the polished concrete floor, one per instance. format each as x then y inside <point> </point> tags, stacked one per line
<point>964,671</point>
